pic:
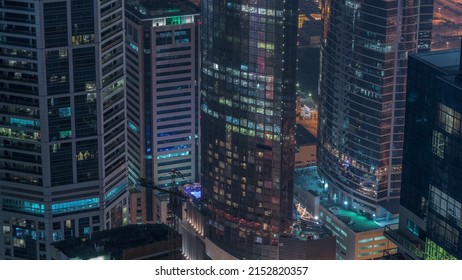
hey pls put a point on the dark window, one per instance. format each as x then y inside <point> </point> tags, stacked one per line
<point>57,63</point>
<point>55,24</point>
<point>82,19</point>
<point>85,115</point>
<point>61,164</point>
<point>84,69</point>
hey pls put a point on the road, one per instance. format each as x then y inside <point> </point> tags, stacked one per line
<point>449,9</point>
<point>447,24</point>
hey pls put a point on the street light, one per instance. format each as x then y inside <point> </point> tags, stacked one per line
<point>447,45</point>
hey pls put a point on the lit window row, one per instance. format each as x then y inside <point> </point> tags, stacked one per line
<point>255,10</point>
<point>20,122</point>
<point>115,191</point>
<point>179,147</point>
<point>26,206</point>
<point>172,155</point>
<point>77,205</point>
<point>169,20</point>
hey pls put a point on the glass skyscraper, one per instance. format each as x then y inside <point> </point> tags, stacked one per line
<point>63,123</point>
<point>431,197</point>
<point>365,46</point>
<point>248,123</point>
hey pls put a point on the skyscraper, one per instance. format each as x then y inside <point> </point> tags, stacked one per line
<point>431,197</point>
<point>365,45</point>
<point>162,96</point>
<point>63,122</point>
<point>248,123</point>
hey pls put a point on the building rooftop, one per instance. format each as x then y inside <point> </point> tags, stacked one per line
<point>193,190</point>
<point>447,60</point>
<point>304,137</point>
<point>312,26</point>
<point>310,230</point>
<point>353,220</point>
<point>308,179</point>
<point>149,9</point>
<point>111,243</point>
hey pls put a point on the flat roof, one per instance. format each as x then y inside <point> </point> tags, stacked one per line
<point>149,9</point>
<point>447,60</point>
<point>308,179</point>
<point>309,230</point>
<point>303,136</point>
<point>112,242</point>
<point>350,218</point>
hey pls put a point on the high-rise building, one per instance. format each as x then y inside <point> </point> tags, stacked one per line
<point>364,51</point>
<point>248,123</point>
<point>162,50</point>
<point>431,198</point>
<point>63,123</point>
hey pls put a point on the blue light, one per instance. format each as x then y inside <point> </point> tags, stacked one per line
<point>115,191</point>
<point>25,206</point>
<point>133,127</point>
<point>171,155</point>
<point>76,205</point>
<point>134,47</point>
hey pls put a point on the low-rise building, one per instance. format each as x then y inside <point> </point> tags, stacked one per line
<point>357,237</point>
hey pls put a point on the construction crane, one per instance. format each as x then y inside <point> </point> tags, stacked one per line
<point>176,200</point>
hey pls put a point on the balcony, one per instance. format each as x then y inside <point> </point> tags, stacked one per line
<point>415,246</point>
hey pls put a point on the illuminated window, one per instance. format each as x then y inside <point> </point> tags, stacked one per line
<point>365,247</point>
<point>63,53</point>
<point>90,86</point>
<point>449,119</point>
<point>438,143</point>
<point>65,112</point>
<point>83,39</point>
<point>365,240</point>
<point>364,254</point>
<point>65,134</point>
<point>435,252</point>
<point>76,205</point>
<point>24,122</point>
